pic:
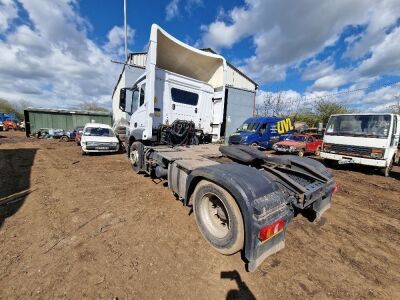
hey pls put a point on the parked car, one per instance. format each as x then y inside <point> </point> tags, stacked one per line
<point>98,138</point>
<point>77,134</point>
<point>52,133</point>
<point>10,124</point>
<point>261,131</point>
<point>299,144</point>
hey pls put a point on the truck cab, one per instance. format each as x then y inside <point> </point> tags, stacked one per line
<point>181,92</point>
<point>366,139</point>
<point>261,131</point>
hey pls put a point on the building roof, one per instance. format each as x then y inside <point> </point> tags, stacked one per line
<point>69,111</point>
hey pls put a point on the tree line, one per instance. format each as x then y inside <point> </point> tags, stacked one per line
<point>312,114</point>
<point>18,108</point>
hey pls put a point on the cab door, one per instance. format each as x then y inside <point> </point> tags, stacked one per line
<point>311,144</point>
<point>394,142</point>
<point>138,119</point>
<point>263,132</point>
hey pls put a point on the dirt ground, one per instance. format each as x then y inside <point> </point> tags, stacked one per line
<point>88,227</point>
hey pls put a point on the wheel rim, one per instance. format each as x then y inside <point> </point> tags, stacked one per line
<point>215,215</point>
<point>301,153</point>
<point>134,157</point>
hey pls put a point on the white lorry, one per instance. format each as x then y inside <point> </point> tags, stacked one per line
<point>241,198</point>
<point>366,139</point>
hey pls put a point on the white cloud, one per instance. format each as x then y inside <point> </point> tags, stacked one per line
<point>116,39</point>
<point>329,82</point>
<point>190,4</point>
<point>380,16</point>
<point>385,58</point>
<point>316,69</point>
<point>172,10</point>
<point>287,32</point>
<point>53,63</point>
<point>8,12</point>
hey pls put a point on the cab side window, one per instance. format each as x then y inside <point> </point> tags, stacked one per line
<point>142,91</point>
<point>135,100</point>
<point>263,128</point>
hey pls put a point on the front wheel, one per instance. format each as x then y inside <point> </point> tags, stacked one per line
<point>255,145</point>
<point>300,153</point>
<point>218,217</point>
<point>136,156</point>
<point>317,152</point>
<point>386,171</point>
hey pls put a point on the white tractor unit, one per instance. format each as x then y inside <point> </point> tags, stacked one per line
<point>241,198</point>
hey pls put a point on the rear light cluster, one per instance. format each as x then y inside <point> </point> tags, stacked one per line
<point>335,189</point>
<point>269,231</point>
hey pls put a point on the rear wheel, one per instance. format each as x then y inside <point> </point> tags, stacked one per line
<point>300,153</point>
<point>218,217</point>
<point>317,152</point>
<point>136,156</point>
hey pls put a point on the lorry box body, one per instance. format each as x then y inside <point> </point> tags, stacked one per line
<point>261,131</point>
<point>366,139</point>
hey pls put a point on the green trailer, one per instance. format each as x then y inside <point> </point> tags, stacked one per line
<point>37,118</point>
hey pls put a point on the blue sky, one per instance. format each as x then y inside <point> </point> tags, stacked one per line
<point>56,53</point>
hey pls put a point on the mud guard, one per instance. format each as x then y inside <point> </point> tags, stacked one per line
<point>260,200</point>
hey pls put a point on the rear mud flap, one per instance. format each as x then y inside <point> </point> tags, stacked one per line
<point>270,247</point>
<point>321,206</point>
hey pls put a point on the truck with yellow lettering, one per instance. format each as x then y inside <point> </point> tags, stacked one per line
<point>262,132</point>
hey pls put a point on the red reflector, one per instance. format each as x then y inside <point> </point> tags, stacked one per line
<point>269,231</point>
<point>335,188</point>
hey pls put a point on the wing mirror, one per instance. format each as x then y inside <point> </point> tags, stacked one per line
<point>122,99</point>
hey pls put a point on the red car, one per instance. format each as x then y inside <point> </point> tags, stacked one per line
<point>299,144</point>
<point>10,124</point>
<point>77,133</point>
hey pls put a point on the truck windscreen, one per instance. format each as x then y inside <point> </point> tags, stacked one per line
<point>376,126</point>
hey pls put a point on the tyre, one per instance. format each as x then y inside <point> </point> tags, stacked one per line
<point>317,152</point>
<point>386,171</point>
<point>218,218</point>
<point>83,152</point>
<point>255,145</point>
<point>300,153</point>
<point>136,156</point>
